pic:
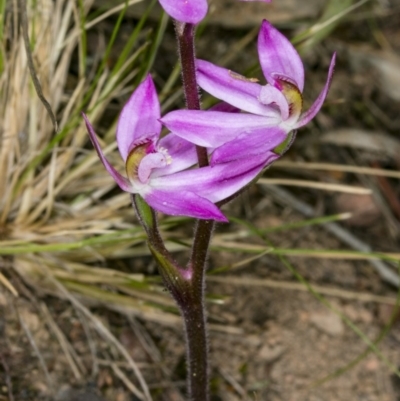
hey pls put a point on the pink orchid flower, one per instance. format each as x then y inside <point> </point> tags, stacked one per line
<point>271,110</point>
<point>158,168</point>
<point>190,11</point>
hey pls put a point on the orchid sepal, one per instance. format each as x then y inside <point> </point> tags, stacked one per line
<point>122,182</point>
<point>306,117</point>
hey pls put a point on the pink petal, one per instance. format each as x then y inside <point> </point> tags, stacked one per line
<point>213,128</point>
<point>230,87</point>
<point>314,109</point>
<point>256,144</point>
<point>213,183</point>
<point>139,117</point>
<point>190,11</point>
<point>230,178</point>
<point>278,56</point>
<point>182,203</point>
<point>122,182</point>
<point>183,155</point>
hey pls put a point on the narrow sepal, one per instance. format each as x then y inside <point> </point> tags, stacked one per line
<point>314,109</point>
<point>122,182</point>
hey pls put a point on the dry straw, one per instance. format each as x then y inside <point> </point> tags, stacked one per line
<point>61,221</point>
<point>53,192</point>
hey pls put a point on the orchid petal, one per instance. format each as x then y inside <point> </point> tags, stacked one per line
<point>278,56</point>
<point>139,117</point>
<point>230,87</point>
<point>213,182</point>
<point>246,146</point>
<point>122,182</point>
<point>213,128</point>
<point>314,109</point>
<point>269,95</point>
<point>183,203</point>
<point>228,178</point>
<point>190,11</point>
<point>183,155</point>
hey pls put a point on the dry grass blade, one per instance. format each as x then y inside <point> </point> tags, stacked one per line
<point>341,233</point>
<point>350,189</point>
<point>110,12</point>
<point>6,283</point>
<point>119,373</point>
<point>54,192</point>
<point>8,381</point>
<point>307,253</point>
<point>235,384</point>
<point>59,202</point>
<point>105,333</point>
<point>31,66</point>
<point>68,350</point>
<point>37,352</point>
<point>337,167</point>
<point>377,142</point>
<point>289,285</point>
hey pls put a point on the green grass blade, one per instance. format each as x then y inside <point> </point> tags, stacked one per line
<point>105,58</point>
<point>82,45</point>
<point>155,44</point>
<point>132,39</point>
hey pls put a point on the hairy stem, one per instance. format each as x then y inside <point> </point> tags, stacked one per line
<point>196,347</point>
<point>192,307</point>
<point>185,36</point>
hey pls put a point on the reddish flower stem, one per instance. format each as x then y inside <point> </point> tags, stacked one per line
<point>193,310</point>
<point>185,37</point>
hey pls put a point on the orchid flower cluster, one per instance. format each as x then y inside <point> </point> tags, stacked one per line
<point>240,145</point>
<point>208,156</point>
